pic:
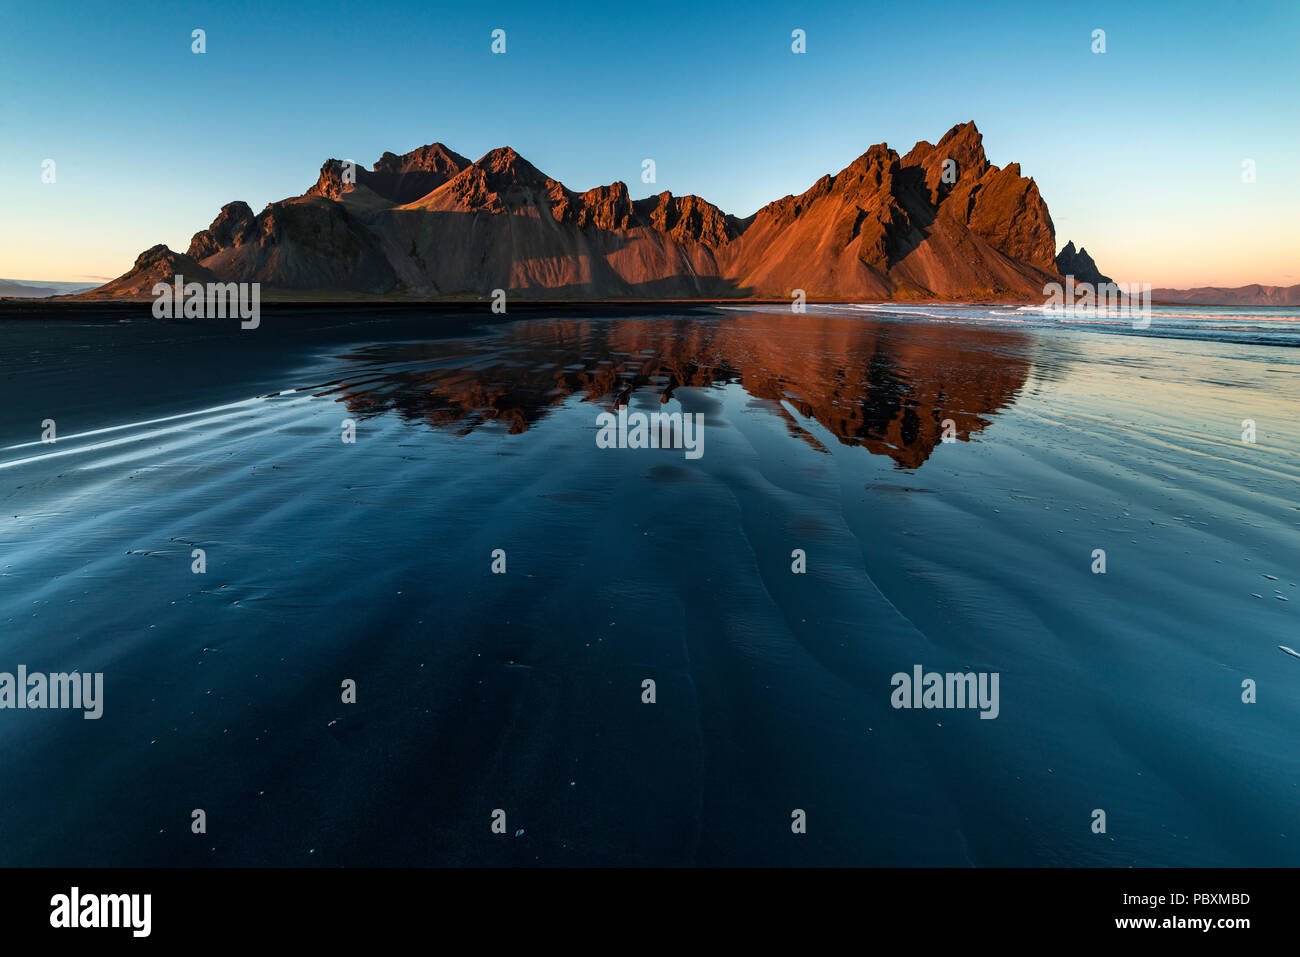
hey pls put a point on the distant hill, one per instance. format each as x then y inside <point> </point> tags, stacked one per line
<point>27,289</point>
<point>1254,295</point>
<point>1077,263</point>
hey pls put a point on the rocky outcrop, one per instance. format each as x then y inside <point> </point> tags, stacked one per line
<point>157,264</point>
<point>232,227</point>
<point>395,179</point>
<point>309,243</point>
<point>940,222</point>
<point>1077,263</point>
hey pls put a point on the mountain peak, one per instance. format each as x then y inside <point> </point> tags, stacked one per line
<point>965,144</point>
<point>505,165</point>
<point>873,168</point>
<point>434,158</point>
<point>396,179</point>
<point>965,130</point>
<point>1080,265</point>
<point>231,227</point>
<point>501,180</point>
<point>157,264</point>
<point>957,157</point>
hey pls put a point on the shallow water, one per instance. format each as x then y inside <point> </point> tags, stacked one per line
<point>372,561</point>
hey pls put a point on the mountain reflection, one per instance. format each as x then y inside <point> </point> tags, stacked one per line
<point>885,386</point>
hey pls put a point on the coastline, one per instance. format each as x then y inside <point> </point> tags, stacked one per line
<point>19,308</point>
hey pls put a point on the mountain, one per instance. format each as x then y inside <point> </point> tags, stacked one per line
<point>1254,295</point>
<point>886,227</point>
<point>1079,264</point>
<point>939,222</point>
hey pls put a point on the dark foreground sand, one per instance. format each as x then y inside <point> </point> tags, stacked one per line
<point>371,561</point>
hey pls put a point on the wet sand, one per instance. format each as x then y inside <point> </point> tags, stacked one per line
<point>372,561</point>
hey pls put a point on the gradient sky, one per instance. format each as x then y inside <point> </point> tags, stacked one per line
<point>1137,151</point>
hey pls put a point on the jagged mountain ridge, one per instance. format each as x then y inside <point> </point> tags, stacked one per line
<point>939,222</point>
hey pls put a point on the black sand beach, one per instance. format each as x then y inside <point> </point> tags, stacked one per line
<point>372,561</point>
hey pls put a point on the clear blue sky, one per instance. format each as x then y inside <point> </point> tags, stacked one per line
<point>1137,151</point>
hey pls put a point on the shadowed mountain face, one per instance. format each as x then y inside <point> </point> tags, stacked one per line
<point>882,386</point>
<point>940,222</point>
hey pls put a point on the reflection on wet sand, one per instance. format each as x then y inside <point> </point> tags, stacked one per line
<point>882,385</point>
